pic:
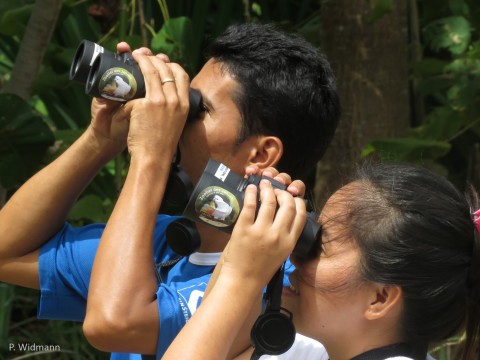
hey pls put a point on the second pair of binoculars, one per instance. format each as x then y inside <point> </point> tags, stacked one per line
<point>114,76</point>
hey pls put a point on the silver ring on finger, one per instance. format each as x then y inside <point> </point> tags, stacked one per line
<point>167,80</point>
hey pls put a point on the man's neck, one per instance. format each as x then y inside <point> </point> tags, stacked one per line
<point>213,240</point>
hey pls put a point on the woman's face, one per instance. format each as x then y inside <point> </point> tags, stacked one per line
<point>326,297</point>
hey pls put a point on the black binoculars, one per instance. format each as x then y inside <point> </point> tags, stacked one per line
<point>217,201</point>
<point>114,76</point>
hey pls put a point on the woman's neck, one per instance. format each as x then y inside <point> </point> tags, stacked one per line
<point>364,339</point>
<point>385,352</point>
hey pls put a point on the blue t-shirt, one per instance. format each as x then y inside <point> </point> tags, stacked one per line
<point>65,266</point>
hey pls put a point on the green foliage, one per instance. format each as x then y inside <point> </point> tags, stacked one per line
<point>448,78</point>
<point>24,137</point>
<point>452,33</point>
<point>176,39</point>
<point>14,18</point>
<point>6,302</point>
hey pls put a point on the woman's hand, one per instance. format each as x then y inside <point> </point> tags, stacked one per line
<point>261,243</point>
<point>258,246</point>
<point>295,187</point>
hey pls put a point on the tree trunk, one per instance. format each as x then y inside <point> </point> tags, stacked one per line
<point>33,46</point>
<point>370,60</point>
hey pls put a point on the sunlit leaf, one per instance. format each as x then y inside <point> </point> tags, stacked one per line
<point>464,67</point>
<point>257,9</point>
<point>175,39</point>
<point>452,33</point>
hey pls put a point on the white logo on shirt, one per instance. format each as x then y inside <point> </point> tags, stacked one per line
<point>191,296</point>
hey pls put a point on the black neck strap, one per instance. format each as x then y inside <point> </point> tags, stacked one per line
<point>273,333</point>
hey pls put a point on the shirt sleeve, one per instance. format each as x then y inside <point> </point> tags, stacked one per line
<point>289,268</point>
<point>65,265</point>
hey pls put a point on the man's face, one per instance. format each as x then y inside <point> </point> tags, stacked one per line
<point>215,132</point>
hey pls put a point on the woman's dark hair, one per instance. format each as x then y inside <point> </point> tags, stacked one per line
<point>415,230</point>
<point>286,89</point>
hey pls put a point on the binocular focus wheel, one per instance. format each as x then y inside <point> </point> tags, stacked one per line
<point>273,333</point>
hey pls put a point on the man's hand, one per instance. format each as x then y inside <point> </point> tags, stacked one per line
<point>157,120</point>
<point>110,122</point>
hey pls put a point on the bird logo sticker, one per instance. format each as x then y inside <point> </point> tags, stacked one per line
<point>217,206</point>
<point>117,84</point>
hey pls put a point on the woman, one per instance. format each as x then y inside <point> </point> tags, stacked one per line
<point>398,270</point>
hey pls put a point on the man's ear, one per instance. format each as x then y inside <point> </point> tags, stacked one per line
<point>384,300</point>
<point>267,152</point>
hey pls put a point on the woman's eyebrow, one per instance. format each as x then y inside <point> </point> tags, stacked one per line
<point>325,225</point>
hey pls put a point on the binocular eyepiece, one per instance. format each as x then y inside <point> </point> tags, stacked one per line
<point>114,76</point>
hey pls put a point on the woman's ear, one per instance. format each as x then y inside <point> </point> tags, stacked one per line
<point>267,152</point>
<point>384,300</point>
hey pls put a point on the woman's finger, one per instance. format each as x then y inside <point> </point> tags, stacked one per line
<point>247,215</point>
<point>268,204</point>
<point>123,47</point>
<point>300,218</point>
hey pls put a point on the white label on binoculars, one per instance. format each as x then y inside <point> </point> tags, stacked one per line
<point>217,206</point>
<point>222,172</point>
<point>98,50</point>
<point>117,84</point>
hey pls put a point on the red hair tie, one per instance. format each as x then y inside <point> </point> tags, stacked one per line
<point>476,220</point>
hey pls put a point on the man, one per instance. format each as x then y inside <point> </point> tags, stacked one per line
<point>268,99</point>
